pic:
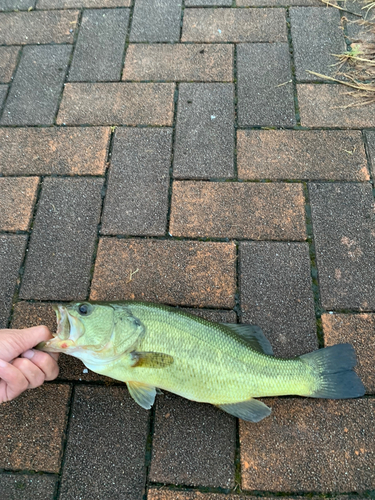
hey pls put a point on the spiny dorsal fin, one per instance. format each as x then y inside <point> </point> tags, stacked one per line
<point>151,359</point>
<point>142,394</point>
<point>253,335</point>
<point>251,410</point>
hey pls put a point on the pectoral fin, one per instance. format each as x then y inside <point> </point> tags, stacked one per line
<point>251,410</point>
<point>142,394</point>
<point>253,335</point>
<point>151,359</point>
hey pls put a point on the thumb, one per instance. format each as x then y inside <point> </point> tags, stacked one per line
<point>15,342</point>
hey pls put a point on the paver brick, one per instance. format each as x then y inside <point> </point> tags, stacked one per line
<point>370,136</point>
<point>191,273</point>
<point>179,62</point>
<point>208,3</point>
<point>56,151</point>
<point>344,233</point>
<point>276,294</point>
<point>234,25</point>
<point>358,330</point>
<point>106,445</point>
<point>216,316</point>
<point>3,93</point>
<point>16,4</point>
<point>193,444</point>
<point>8,61</point>
<point>311,445</point>
<point>164,494</point>
<point>27,487</point>
<point>301,154</point>
<point>86,4</point>
<point>33,427</point>
<point>17,198</point>
<point>137,196</point>
<point>204,143</point>
<point>117,104</point>
<point>12,249</point>
<point>20,28</point>
<point>100,45</point>
<point>317,35</point>
<point>265,89</point>
<point>331,106</point>
<point>156,21</point>
<point>278,3</point>
<point>36,89</point>
<point>63,239</point>
<point>238,210</point>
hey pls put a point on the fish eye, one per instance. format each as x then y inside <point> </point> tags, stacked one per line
<point>83,309</point>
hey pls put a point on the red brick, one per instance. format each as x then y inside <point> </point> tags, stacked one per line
<point>188,273</point>
<point>17,198</point>
<point>238,210</point>
<point>117,104</point>
<point>358,330</point>
<point>8,61</point>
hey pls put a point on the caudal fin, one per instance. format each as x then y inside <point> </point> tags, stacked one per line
<point>333,367</point>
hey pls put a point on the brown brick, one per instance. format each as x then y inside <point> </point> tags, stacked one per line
<point>238,210</point>
<point>178,62</point>
<point>27,487</point>
<point>191,273</point>
<point>17,198</point>
<point>27,314</point>
<point>137,196</point>
<point>234,25</point>
<point>370,136</point>
<point>8,61</point>
<point>182,428</point>
<point>61,151</point>
<point>301,154</point>
<point>358,330</point>
<point>331,106</point>
<point>311,445</point>
<point>33,427</point>
<point>117,103</point>
<point>19,28</point>
<point>78,4</point>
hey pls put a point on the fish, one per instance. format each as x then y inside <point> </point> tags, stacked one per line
<point>154,347</point>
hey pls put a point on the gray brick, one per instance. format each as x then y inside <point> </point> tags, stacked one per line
<point>105,453</point>
<point>137,196</point>
<point>278,3</point>
<point>11,255</point>
<point>205,131</point>
<point>317,35</point>
<point>276,294</point>
<point>16,4</point>
<point>3,93</point>
<point>62,243</point>
<point>86,4</point>
<point>371,149</point>
<point>27,487</point>
<point>182,428</point>
<point>36,89</point>
<point>208,3</point>
<point>265,89</point>
<point>343,225</point>
<point>100,45</point>
<point>8,61</point>
<point>156,21</point>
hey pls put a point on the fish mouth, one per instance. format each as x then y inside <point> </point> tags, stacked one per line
<point>69,329</point>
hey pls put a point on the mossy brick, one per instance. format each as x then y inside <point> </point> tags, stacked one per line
<point>63,240</point>
<point>117,104</point>
<point>234,25</point>
<point>204,142</point>
<point>179,62</point>
<point>98,54</point>
<point>189,273</point>
<point>181,428</point>
<point>156,21</point>
<point>27,487</point>
<point>106,446</point>
<point>8,61</point>
<point>238,210</point>
<point>34,96</point>
<point>54,150</point>
<point>265,89</point>
<point>78,4</point>
<point>17,198</point>
<point>276,294</point>
<point>301,154</point>
<point>344,235</point>
<point>136,200</point>
<point>33,429</point>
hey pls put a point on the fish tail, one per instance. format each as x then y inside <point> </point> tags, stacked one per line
<point>333,373</point>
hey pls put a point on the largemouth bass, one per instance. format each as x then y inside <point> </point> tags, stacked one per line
<point>151,346</point>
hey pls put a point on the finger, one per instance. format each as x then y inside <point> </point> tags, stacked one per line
<point>30,337</point>
<point>31,372</point>
<point>43,361</point>
<point>12,382</point>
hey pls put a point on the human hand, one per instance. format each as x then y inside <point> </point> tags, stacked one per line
<point>31,369</point>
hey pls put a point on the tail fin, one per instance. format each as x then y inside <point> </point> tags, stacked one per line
<point>333,367</point>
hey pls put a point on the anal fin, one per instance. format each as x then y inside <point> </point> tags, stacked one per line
<point>251,410</point>
<point>142,394</point>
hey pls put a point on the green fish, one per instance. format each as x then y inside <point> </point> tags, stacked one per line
<point>151,347</point>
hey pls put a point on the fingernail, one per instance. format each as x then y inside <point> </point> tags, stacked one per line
<point>28,354</point>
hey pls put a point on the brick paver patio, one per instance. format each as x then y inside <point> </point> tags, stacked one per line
<point>178,151</point>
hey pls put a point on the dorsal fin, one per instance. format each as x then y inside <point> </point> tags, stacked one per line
<point>253,335</point>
